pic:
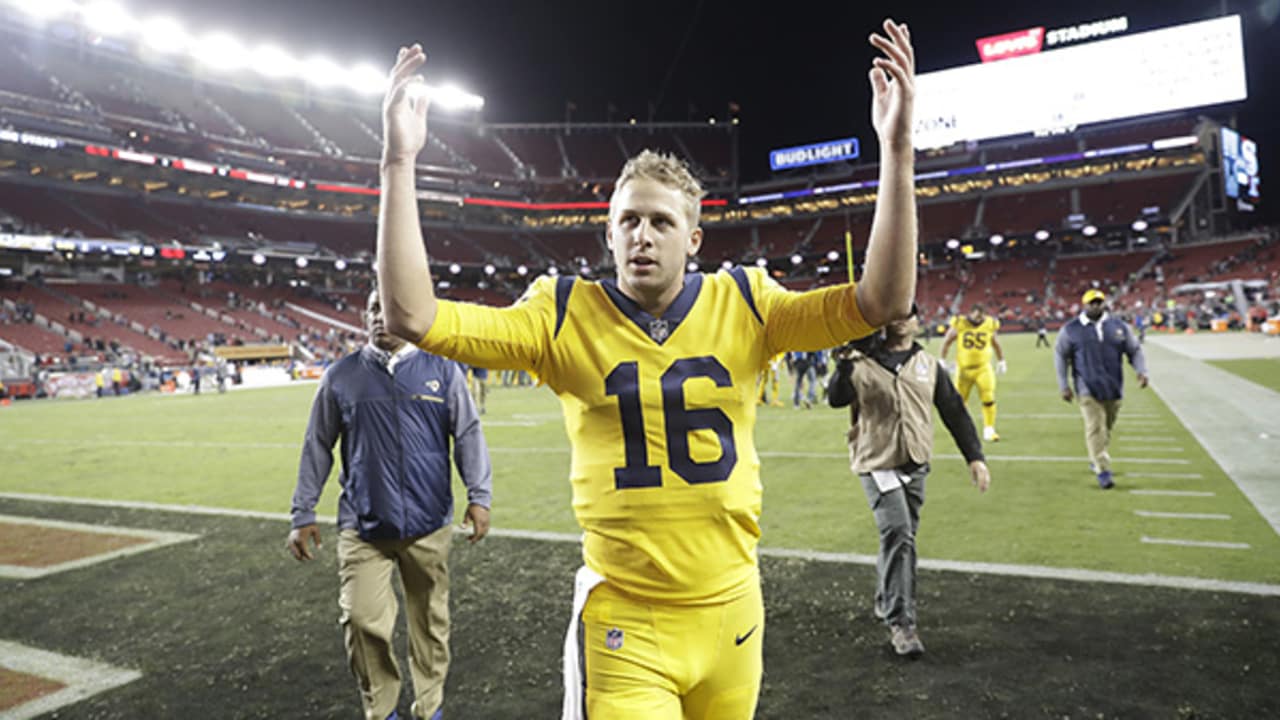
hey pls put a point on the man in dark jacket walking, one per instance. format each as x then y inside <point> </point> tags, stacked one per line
<point>1092,347</point>
<point>395,409</point>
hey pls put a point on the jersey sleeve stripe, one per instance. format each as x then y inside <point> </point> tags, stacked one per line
<point>739,276</point>
<point>564,288</point>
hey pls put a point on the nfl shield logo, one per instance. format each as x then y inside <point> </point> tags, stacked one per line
<point>613,639</point>
<point>658,329</point>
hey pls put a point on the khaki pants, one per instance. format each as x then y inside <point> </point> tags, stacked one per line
<point>1099,418</point>
<point>369,611</point>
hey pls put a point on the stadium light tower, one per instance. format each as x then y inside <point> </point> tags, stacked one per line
<point>272,61</point>
<point>1089,230</point>
<point>1139,225</point>
<point>762,262</point>
<point>107,18</point>
<point>833,256</point>
<point>447,97</point>
<point>165,35</point>
<point>1042,235</point>
<point>997,239</point>
<point>219,51</point>
<point>796,259</point>
<point>952,244</point>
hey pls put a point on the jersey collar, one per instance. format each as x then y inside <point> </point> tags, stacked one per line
<point>658,329</point>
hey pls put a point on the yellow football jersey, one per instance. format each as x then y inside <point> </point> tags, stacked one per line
<point>973,342</point>
<point>660,412</point>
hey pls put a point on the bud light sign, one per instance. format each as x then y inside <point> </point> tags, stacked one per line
<point>826,152</point>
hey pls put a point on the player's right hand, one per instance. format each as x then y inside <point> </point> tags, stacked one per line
<point>1067,395</point>
<point>297,542</point>
<point>404,111</point>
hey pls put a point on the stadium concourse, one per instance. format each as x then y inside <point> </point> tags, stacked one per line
<point>170,224</point>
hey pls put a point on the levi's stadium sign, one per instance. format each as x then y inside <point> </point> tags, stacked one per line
<point>816,154</point>
<point>1033,40</point>
<point>1174,68</point>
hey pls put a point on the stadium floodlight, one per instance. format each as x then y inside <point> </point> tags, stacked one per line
<point>490,269</point>
<point>1042,235</point>
<point>833,256</point>
<point>367,79</point>
<point>273,62</point>
<point>796,259</point>
<point>522,270</point>
<point>259,259</point>
<point>339,264</point>
<point>455,268</point>
<point>322,72</point>
<point>165,35</point>
<point>997,239</point>
<point>1139,225</point>
<point>1141,240</point>
<point>105,17</point>
<point>1089,230</point>
<point>727,264</point>
<point>952,244</point>
<point>448,97</point>
<point>219,51</point>
<point>301,262</point>
<point>553,271</point>
<point>762,262</point>
<point>692,266</point>
<point>46,9</point>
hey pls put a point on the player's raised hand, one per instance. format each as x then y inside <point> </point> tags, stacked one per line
<point>404,111</point>
<point>893,85</point>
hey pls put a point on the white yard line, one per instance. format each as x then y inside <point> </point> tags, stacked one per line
<point>1181,516</point>
<point>83,678</point>
<point>1176,476</point>
<point>1147,438</point>
<point>1196,543</point>
<point>1029,571</point>
<point>1173,493</point>
<point>1153,448</point>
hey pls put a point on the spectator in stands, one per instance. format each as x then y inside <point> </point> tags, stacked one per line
<point>889,384</point>
<point>1090,348</point>
<point>396,504</point>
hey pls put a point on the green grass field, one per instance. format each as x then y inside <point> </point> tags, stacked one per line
<point>229,626</point>
<point>1263,371</point>
<point>239,450</point>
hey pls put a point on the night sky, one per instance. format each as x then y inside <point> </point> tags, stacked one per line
<point>798,70</point>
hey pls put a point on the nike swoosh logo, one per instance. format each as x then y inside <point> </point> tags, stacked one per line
<point>739,639</point>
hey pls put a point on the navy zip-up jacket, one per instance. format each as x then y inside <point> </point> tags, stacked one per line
<point>1093,352</point>
<point>395,430</point>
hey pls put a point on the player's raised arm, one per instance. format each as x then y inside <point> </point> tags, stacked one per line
<point>888,283</point>
<point>404,280</point>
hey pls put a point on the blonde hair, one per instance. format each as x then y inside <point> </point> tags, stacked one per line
<point>668,170</point>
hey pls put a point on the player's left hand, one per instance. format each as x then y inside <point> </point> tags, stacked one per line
<point>477,520</point>
<point>1142,381</point>
<point>893,86</point>
<point>981,475</point>
<point>1002,367</point>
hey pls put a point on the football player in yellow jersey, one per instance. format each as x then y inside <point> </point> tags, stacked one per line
<point>977,335</point>
<point>656,372</point>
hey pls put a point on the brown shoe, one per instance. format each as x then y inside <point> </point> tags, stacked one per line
<point>905,641</point>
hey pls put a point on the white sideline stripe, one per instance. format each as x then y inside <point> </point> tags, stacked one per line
<point>1028,571</point>
<point>83,678</point>
<point>565,450</point>
<point>1181,476</point>
<point>158,539</point>
<point>1196,543</point>
<point>1148,438</point>
<point>1154,448</point>
<point>1181,516</point>
<point>1174,493</point>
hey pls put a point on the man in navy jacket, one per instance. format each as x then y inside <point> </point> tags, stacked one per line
<point>1092,346</point>
<point>395,409</point>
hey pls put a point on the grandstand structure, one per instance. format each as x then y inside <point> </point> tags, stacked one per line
<point>175,208</point>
